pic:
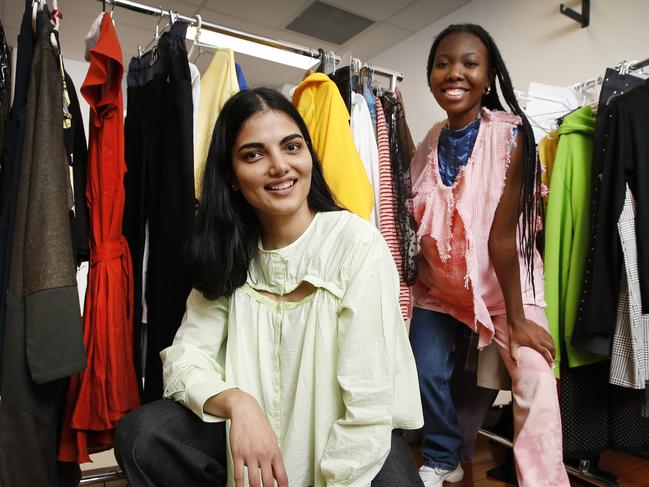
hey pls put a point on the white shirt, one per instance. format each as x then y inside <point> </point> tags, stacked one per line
<point>334,372</point>
<point>196,95</point>
<point>367,147</point>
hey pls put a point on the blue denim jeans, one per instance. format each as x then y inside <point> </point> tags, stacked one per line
<point>431,336</point>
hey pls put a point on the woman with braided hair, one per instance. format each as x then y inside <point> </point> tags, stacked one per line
<point>476,201</point>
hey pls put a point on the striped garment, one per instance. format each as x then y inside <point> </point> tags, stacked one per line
<point>387,218</point>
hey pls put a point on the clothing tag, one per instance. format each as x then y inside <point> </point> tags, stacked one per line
<point>82,283</point>
<point>73,209</point>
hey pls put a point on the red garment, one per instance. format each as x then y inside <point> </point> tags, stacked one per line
<point>387,217</point>
<point>100,395</point>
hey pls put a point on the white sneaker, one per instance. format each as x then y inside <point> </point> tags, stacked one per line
<point>435,477</point>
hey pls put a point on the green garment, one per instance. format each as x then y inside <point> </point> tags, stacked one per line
<point>567,233</point>
<point>334,372</point>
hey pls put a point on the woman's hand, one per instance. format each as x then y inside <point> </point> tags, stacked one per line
<point>253,444</point>
<point>527,333</point>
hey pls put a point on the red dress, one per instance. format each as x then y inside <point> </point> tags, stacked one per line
<point>103,393</point>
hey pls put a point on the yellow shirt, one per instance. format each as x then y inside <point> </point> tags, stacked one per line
<point>319,102</point>
<point>218,84</point>
<point>547,152</point>
<point>334,373</point>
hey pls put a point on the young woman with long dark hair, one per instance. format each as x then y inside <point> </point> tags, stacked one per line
<point>476,199</point>
<point>293,332</point>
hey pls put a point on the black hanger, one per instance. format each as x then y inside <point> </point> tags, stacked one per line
<point>563,117</point>
<point>321,66</point>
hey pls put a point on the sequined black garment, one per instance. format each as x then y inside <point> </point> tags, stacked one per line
<point>400,156</point>
<point>5,77</point>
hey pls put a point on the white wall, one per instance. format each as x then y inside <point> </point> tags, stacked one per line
<point>536,41</point>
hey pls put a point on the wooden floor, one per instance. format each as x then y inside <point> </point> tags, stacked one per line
<point>630,470</point>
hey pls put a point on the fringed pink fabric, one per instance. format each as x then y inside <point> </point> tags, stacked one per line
<point>459,279</point>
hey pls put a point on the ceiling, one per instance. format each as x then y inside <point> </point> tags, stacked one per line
<point>395,20</point>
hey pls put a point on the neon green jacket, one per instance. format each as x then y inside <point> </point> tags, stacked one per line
<point>567,233</point>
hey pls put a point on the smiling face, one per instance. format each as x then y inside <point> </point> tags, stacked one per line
<point>460,75</point>
<point>272,166</point>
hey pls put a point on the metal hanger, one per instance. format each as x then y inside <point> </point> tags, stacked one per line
<point>153,44</point>
<point>112,6</point>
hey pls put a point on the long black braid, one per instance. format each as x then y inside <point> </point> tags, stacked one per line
<point>530,204</point>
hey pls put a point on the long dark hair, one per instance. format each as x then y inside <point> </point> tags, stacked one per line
<point>530,204</point>
<point>226,230</point>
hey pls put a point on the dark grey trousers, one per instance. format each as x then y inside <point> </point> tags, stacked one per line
<point>164,444</point>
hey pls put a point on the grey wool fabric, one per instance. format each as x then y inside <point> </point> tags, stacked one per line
<point>43,336</point>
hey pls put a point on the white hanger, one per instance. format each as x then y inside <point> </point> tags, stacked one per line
<point>56,16</point>
<point>199,23</point>
<point>332,57</point>
<point>55,19</point>
<point>37,6</point>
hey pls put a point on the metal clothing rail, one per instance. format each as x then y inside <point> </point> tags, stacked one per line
<point>639,64</point>
<point>579,473</point>
<point>284,45</point>
<point>103,477</point>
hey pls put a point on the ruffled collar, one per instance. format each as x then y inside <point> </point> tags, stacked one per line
<point>280,271</point>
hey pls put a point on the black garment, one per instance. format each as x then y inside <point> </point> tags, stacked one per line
<point>12,155</point>
<point>584,410</point>
<point>159,192</point>
<point>5,85</point>
<point>628,419</point>
<point>343,79</point>
<point>400,154</point>
<point>77,150</point>
<point>165,444</point>
<point>596,415</point>
<point>616,84</point>
<point>28,446</point>
<point>620,157</point>
<point>472,402</point>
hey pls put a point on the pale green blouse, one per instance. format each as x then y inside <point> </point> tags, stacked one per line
<point>334,372</point>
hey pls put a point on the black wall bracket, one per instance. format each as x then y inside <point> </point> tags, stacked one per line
<point>583,18</point>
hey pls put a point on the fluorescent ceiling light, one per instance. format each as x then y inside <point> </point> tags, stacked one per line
<point>215,39</point>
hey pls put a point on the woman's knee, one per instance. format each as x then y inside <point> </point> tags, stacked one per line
<point>532,361</point>
<point>533,371</point>
<point>140,429</point>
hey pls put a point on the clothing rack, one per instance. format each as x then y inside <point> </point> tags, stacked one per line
<point>639,64</point>
<point>580,473</point>
<point>394,76</point>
